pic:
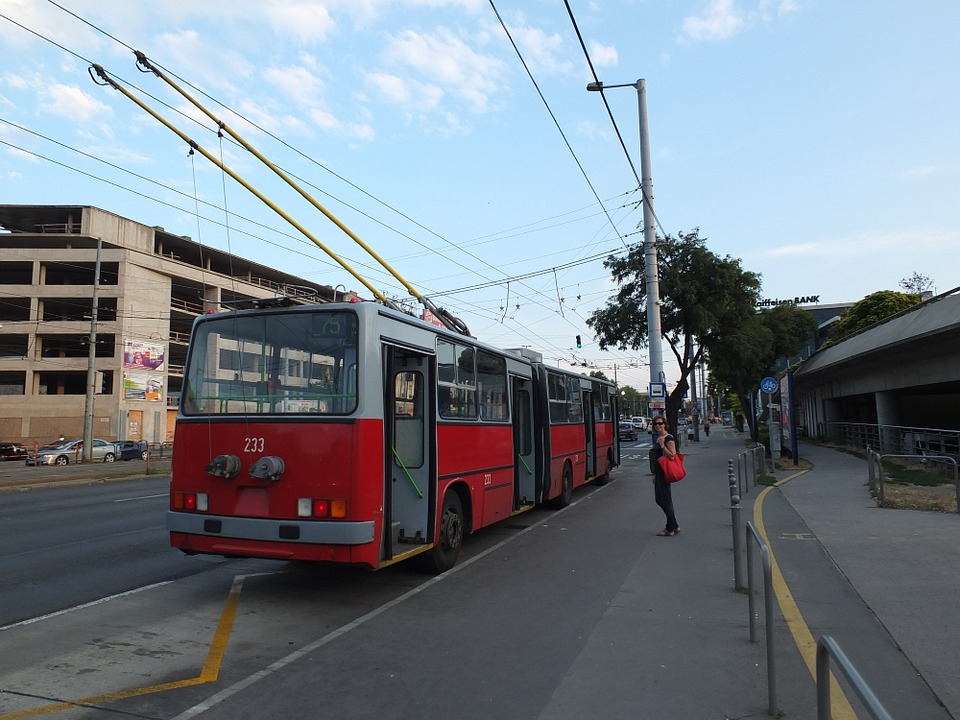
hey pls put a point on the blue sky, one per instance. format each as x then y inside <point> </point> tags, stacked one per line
<point>814,140</point>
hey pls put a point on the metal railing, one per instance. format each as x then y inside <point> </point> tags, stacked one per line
<point>827,648</point>
<point>894,439</point>
<point>875,471</point>
<point>767,612</point>
<point>751,461</point>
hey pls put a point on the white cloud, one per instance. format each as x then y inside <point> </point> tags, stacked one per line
<point>329,122</point>
<point>17,82</point>
<point>209,63</point>
<point>922,171</point>
<point>296,82</point>
<point>543,53</point>
<point>719,21</point>
<point>447,61</point>
<point>21,155</point>
<point>304,21</point>
<point>390,87</point>
<point>72,103</point>
<point>603,55</point>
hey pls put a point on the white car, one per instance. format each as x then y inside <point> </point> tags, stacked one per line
<point>639,423</point>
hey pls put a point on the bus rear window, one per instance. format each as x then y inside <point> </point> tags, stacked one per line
<point>281,363</point>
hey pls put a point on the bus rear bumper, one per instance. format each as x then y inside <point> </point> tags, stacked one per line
<point>312,532</point>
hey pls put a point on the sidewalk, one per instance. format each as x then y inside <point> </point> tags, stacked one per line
<point>883,583</point>
<point>902,563</point>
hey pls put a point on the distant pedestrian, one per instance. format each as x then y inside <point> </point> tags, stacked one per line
<point>706,427</point>
<point>664,444</point>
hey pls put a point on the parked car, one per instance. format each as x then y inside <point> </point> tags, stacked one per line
<point>68,451</point>
<point>131,449</point>
<point>627,431</point>
<point>12,451</point>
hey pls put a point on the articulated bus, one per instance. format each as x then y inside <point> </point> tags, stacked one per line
<point>353,433</point>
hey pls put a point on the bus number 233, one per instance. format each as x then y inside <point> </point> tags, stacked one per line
<point>253,445</point>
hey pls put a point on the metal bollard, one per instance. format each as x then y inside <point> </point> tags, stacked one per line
<point>736,525</point>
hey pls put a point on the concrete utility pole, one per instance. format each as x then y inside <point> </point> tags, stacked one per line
<point>650,261</point>
<point>91,363</point>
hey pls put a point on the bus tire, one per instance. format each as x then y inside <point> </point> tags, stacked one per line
<point>566,489</point>
<point>605,478</point>
<point>444,554</point>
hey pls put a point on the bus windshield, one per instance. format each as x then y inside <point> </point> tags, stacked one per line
<point>273,363</point>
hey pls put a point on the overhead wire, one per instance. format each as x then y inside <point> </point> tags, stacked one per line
<point>593,72</point>
<point>390,207</point>
<point>458,247</point>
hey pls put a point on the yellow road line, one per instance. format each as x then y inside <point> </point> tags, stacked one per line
<point>209,673</point>
<point>840,706</point>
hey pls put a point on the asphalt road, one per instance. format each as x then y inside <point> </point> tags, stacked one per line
<point>547,616</point>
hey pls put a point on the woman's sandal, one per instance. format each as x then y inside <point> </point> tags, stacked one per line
<point>665,533</point>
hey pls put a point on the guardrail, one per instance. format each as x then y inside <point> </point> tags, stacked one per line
<point>827,648</point>
<point>767,612</point>
<point>894,439</point>
<point>875,471</point>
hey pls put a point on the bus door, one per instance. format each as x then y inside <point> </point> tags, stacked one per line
<point>409,422</point>
<point>524,462</point>
<point>590,435</point>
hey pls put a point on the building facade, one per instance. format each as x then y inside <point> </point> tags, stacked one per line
<point>136,314</point>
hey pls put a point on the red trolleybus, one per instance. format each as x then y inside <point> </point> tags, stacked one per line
<point>353,433</point>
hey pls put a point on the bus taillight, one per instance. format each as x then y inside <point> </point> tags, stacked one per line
<point>322,508</point>
<point>191,502</point>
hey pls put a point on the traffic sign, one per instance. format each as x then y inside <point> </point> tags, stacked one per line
<point>769,385</point>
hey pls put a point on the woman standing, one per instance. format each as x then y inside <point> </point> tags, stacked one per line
<point>664,444</point>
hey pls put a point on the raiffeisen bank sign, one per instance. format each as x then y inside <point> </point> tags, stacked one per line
<point>806,300</point>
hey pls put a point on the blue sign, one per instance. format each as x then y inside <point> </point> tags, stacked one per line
<point>769,385</point>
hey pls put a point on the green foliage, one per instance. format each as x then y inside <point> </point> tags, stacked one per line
<point>872,309</point>
<point>739,360</point>
<point>599,374</point>
<point>633,402</point>
<point>703,299</point>
<point>916,284</point>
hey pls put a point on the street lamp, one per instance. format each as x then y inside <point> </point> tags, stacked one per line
<point>651,275</point>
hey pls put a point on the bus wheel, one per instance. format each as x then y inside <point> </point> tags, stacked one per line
<point>566,489</point>
<point>605,478</point>
<point>450,538</point>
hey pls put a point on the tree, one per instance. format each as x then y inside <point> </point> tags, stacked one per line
<point>872,309</point>
<point>740,359</point>
<point>703,298</point>
<point>632,401</point>
<point>916,284</point>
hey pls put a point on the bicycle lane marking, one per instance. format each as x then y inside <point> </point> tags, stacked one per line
<point>805,642</point>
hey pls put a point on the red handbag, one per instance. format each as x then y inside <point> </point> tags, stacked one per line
<point>673,469</point>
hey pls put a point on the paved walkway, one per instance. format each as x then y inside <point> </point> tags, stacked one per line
<point>884,584</point>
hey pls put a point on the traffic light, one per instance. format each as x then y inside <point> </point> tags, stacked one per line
<point>579,345</point>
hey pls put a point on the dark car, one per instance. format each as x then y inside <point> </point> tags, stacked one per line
<point>12,451</point>
<point>131,449</point>
<point>627,431</point>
